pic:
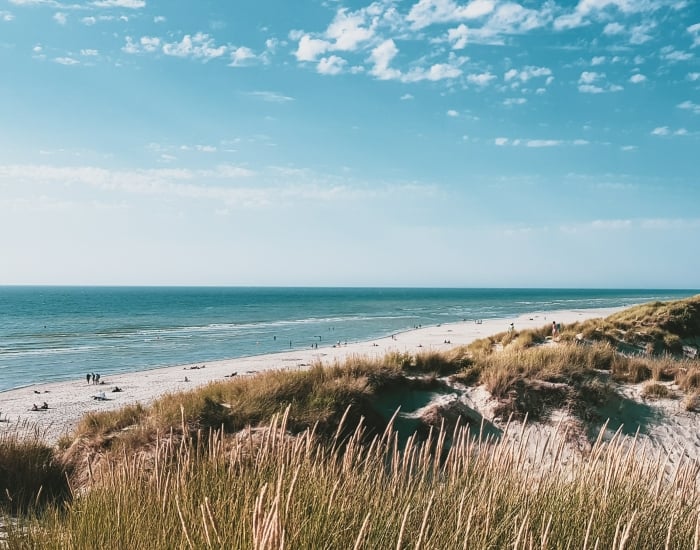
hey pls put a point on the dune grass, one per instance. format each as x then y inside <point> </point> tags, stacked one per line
<point>304,459</point>
<point>654,390</point>
<point>316,397</point>
<point>655,328</point>
<point>272,490</point>
<point>30,473</point>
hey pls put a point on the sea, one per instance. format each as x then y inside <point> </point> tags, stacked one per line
<point>61,333</point>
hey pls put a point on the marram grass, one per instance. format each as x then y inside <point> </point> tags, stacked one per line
<point>267,489</point>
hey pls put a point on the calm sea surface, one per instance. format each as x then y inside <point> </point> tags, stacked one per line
<point>59,333</point>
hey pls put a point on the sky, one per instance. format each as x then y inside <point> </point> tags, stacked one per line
<point>431,143</point>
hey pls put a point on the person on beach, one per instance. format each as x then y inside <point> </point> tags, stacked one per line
<point>554,330</point>
<point>87,377</point>
<point>34,407</point>
<point>45,406</point>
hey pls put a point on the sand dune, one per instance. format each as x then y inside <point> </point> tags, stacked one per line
<point>69,401</point>
<point>665,428</point>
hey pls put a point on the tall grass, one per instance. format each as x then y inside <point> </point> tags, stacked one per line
<point>30,473</point>
<point>268,489</point>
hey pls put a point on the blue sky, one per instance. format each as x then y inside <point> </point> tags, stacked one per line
<point>389,143</point>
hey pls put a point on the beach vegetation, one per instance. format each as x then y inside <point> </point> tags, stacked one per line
<point>654,390</point>
<point>316,457</point>
<point>30,472</point>
<point>269,489</point>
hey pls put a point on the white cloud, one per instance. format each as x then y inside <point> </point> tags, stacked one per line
<point>690,106</point>
<point>452,113</point>
<point>310,48</point>
<point>227,184</point>
<point>52,3</point>
<point>428,12</point>
<point>514,101</point>
<point>509,19</point>
<point>130,47</point>
<point>588,77</point>
<point>159,19</point>
<point>150,43</point>
<point>6,16</point>
<point>599,60</point>
<point>272,97</point>
<point>457,37</point>
<point>331,65</point>
<point>527,73</point>
<point>640,34</point>
<point>580,142</point>
<point>89,53</point>
<point>439,71</point>
<point>660,131</point>
<point>406,97</point>
<point>66,61</point>
<point>481,79</point>
<point>675,55</point>
<point>693,76</point>
<point>628,148</point>
<point>133,4</point>
<point>612,29</point>
<point>591,82</point>
<point>681,132</point>
<point>381,57</point>
<point>542,143</point>
<point>694,30</point>
<point>637,78</point>
<point>589,10</point>
<point>501,141</point>
<point>242,56</point>
<point>90,20</point>
<point>60,18</point>
<point>347,30</point>
<point>199,46</point>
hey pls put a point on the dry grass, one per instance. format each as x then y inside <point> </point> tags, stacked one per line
<point>655,328</point>
<point>316,397</point>
<point>654,390</point>
<point>688,377</point>
<point>691,401</point>
<point>271,490</point>
<point>30,474</point>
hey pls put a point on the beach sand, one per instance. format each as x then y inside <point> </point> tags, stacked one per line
<point>69,401</point>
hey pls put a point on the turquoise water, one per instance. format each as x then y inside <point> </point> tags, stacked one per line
<point>60,333</point>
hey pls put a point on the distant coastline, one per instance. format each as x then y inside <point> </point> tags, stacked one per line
<point>60,333</point>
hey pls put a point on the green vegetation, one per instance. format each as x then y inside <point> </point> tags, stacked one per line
<point>655,328</point>
<point>314,459</point>
<point>272,490</point>
<point>30,473</point>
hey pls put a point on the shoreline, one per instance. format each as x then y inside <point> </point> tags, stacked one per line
<point>70,400</point>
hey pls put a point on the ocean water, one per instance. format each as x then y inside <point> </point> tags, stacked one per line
<point>60,333</point>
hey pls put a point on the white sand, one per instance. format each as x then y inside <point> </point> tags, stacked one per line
<point>69,401</point>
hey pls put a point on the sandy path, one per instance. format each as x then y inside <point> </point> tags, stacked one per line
<point>69,401</point>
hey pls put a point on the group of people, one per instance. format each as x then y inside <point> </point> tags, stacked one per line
<point>43,407</point>
<point>93,377</point>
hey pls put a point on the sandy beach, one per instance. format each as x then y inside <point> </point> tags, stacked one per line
<point>69,401</point>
